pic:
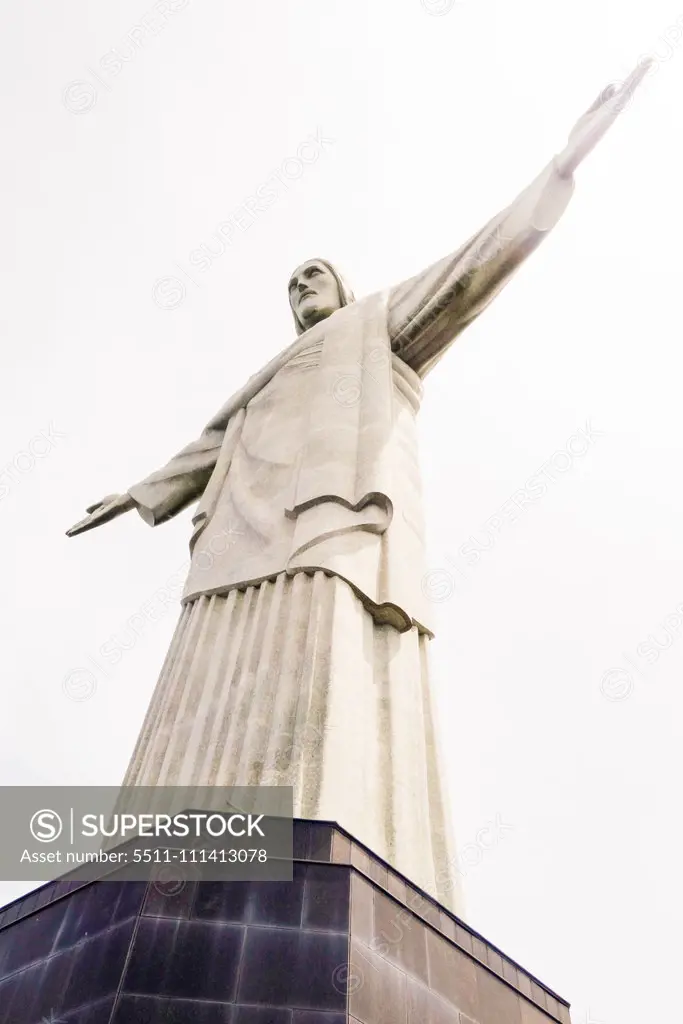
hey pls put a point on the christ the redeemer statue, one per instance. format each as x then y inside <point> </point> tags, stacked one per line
<point>300,657</point>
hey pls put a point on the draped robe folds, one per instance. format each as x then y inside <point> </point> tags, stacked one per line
<point>312,468</point>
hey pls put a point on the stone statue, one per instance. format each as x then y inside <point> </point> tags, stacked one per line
<point>300,657</point>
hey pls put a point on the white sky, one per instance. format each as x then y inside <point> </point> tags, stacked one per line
<point>437,122</point>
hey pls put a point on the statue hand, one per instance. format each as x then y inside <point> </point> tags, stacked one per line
<point>599,117</point>
<point>102,511</point>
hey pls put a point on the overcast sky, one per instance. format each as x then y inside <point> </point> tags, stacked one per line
<point>560,719</point>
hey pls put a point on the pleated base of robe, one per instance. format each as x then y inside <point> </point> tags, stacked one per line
<point>292,683</point>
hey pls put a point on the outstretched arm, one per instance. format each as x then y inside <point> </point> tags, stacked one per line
<point>184,479</point>
<point>428,312</point>
<point>167,491</point>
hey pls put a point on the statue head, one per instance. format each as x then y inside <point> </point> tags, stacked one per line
<point>316,291</point>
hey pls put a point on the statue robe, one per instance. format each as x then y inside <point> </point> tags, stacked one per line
<point>300,656</point>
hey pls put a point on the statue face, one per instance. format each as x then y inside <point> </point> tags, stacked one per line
<point>313,293</point>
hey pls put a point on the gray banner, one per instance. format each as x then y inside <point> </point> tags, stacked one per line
<point>166,834</point>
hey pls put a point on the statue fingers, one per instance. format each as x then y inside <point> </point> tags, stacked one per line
<point>638,74</point>
<point>90,522</point>
<point>615,96</point>
<point>109,508</point>
<point>623,93</point>
<point>102,502</point>
<point>607,94</point>
<point>80,527</point>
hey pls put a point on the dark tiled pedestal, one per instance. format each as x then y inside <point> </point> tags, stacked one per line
<point>348,940</point>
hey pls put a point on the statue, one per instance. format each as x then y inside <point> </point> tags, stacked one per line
<point>300,656</point>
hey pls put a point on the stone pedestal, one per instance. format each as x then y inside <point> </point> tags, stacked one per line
<point>348,941</point>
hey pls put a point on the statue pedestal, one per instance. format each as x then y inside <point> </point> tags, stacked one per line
<point>348,941</point>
